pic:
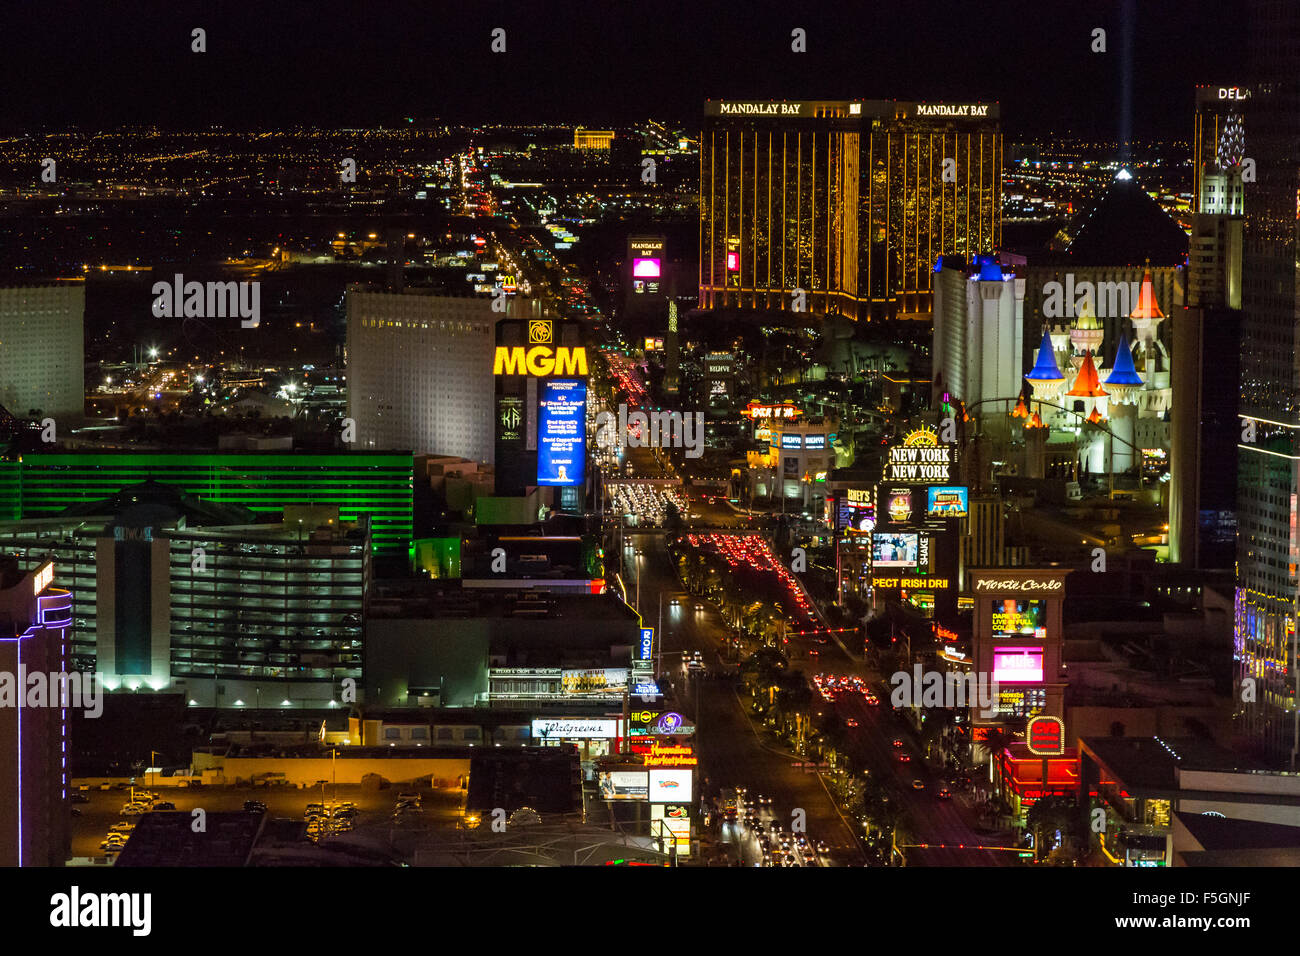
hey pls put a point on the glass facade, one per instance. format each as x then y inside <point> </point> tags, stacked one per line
<point>1268,546</point>
<point>851,202</point>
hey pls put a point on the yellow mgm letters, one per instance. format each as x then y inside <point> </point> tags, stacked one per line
<point>540,361</point>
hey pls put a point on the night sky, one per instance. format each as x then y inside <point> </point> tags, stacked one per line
<point>371,62</point>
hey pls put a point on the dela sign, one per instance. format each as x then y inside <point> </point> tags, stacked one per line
<point>540,361</point>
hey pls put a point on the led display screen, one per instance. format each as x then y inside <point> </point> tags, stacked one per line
<point>895,550</point>
<point>562,432</point>
<point>1013,617</point>
<point>1017,665</point>
<point>947,502</point>
<point>645,268</point>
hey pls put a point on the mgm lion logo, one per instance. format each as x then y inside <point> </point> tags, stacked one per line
<point>539,332</point>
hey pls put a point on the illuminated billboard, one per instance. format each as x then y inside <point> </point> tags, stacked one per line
<point>784,410</point>
<point>1018,665</point>
<point>733,261</point>
<point>562,434</point>
<point>1046,736</point>
<point>920,459</point>
<point>575,728</point>
<point>1014,617</point>
<point>898,505</point>
<point>946,501</point>
<point>624,785</point>
<point>647,643</point>
<point>855,511</point>
<point>895,550</point>
<point>598,681</point>
<point>645,268</point>
<point>670,786</point>
<point>791,441</point>
<point>815,442</point>
<point>539,361</point>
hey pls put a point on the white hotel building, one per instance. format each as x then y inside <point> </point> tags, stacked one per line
<point>419,371</point>
<point>42,349</point>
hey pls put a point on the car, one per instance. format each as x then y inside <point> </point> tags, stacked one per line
<point>165,805</point>
<point>254,806</point>
<point>918,784</point>
<point>904,758</point>
<point>409,797</point>
<point>76,811</point>
<point>675,602</point>
<point>111,847</point>
<point>944,793</point>
<point>898,742</point>
<point>79,798</point>
<point>851,722</point>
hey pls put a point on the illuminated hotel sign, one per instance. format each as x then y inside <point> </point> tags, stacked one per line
<point>920,459</point>
<point>760,109</point>
<point>754,410</point>
<point>1046,736</point>
<point>1012,584</point>
<point>919,464</point>
<point>940,109</point>
<point>540,361</point>
<point>44,578</point>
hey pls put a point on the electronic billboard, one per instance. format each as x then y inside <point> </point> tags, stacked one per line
<point>1019,617</point>
<point>945,501</point>
<point>895,550</point>
<point>562,433</point>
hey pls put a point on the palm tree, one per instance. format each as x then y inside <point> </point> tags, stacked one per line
<point>1049,814</point>
<point>996,744</point>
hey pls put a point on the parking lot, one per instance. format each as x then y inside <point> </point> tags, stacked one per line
<point>439,807</point>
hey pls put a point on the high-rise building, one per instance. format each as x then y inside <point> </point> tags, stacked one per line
<point>188,596</point>
<point>850,202</point>
<point>978,334</point>
<point>42,349</point>
<point>1206,339</point>
<point>418,373</point>
<point>1268,476</point>
<point>377,485</point>
<point>34,654</point>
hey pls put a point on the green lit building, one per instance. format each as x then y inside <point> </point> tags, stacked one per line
<point>177,594</point>
<point>377,484</point>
